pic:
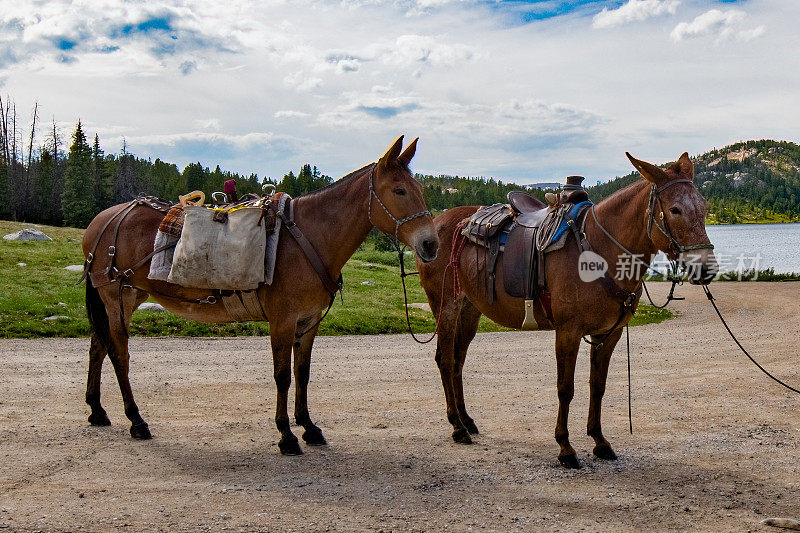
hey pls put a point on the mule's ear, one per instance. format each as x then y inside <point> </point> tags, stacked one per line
<point>683,166</point>
<point>408,154</point>
<point>648,171</point>
<point>392,153</point>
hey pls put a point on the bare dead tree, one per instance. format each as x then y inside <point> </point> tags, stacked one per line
<point>6,153</point>
<point>33,133</point>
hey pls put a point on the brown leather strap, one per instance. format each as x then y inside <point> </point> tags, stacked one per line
<point>311,254</point>
<point>128,272</point>
<point>87,263</point>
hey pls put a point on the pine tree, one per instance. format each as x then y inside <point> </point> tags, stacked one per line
<point>43,190</point>
<point>77,201</point>
<point>289,184</point>
<point>195,177</point>
<point>100,177</point>
<point>126,179</point>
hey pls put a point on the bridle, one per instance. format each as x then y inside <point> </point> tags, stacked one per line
<point>655,196</point>
<point>397,221</point>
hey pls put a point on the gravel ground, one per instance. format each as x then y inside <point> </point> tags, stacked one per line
<point>716,445</point>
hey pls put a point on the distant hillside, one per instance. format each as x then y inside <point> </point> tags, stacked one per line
<point>753,181</point>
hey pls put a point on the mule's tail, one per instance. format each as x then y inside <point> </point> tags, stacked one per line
<point>98,317</point>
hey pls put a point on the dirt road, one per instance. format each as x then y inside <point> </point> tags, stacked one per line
<point>716,445</point>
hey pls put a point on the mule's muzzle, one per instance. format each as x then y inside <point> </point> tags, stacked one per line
<point>427,247</point>
<point>701,266</point>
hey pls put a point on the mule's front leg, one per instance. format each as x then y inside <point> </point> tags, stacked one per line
<point>281,339</point>
<point>600,357</point>
<point>567,346</point>
<point>302,371</point>
<point>445,358</point>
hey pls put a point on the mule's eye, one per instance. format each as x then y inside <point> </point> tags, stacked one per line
<point>674,210</point>
<point>399,192</point>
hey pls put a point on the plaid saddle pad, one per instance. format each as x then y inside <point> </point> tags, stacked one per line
<point>172,223</point>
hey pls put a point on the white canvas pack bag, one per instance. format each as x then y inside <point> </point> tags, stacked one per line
<point>220,255</point>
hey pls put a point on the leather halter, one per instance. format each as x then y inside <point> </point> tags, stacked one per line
<point>655,195</point>
<point>398,222</point>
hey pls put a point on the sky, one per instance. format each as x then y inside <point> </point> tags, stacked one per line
<point>522,91</point>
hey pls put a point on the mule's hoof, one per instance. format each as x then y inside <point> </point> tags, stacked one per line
<point>471,427</point>
<point>569,461</point>
<point>99,419</point>
<point>314,437</point>
<point>141,431</point>
<point>604,451</point>
<point>461,436</point>
<point>290,446</point>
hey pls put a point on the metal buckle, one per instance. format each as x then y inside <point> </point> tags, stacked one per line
<point>112,250</point>
<point>128,273</point>
<point>90,257</point>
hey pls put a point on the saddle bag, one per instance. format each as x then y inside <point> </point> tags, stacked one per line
<point>482,226</point>
<point>221,252</point>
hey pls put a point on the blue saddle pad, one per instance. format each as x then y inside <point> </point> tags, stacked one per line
<point>573,214</point>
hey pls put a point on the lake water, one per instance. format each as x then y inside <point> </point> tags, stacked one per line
<point>777,244</point>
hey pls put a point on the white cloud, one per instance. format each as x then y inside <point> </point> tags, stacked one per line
<point>300,81</point>
<point>722,24</point>
<point>488,87</point>
<point>208,124</point>
<point>633,11</point>
<point>290,113</point>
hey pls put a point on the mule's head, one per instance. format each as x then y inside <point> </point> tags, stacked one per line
<point>397,206</point>
<point>678,218</point>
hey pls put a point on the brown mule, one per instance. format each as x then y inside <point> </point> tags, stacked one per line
<point>578,308</point>
<point>335,220</point>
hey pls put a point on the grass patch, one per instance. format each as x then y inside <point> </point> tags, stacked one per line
<point>43,288</point>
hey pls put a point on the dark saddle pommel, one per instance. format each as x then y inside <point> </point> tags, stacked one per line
<point>523,202</point>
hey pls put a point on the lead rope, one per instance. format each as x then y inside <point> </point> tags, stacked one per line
<point>630,409</point>
<point>400,250</point>
<point>403,275</point>
<point>719,314</point>
<point>672,275</point>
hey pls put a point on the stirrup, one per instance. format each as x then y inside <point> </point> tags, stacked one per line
<point>529,322</point>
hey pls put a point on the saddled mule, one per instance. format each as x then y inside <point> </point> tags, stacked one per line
<point>335,220</point>
<point>578,308</point>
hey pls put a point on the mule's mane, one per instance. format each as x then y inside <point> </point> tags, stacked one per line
<point>341,181</point>
<point>615,199</point>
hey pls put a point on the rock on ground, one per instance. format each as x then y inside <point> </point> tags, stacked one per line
<point>27,234</point>
<point>151,306</point>
<point>74,268</point>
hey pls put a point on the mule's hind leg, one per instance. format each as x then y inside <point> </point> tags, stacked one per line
<point>98,349</point>
<point>119,354</point>
<point>465,332</point>
<point>281,337</point>
<point>600,357</point>
<point>97,352</point>
<point>567,346</point>
<point>302,371</point>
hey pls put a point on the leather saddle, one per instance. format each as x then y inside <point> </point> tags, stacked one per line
<point>525,230</point>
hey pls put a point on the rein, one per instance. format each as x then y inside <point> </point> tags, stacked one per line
<point>398,222</point>
<point>714,304</point>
